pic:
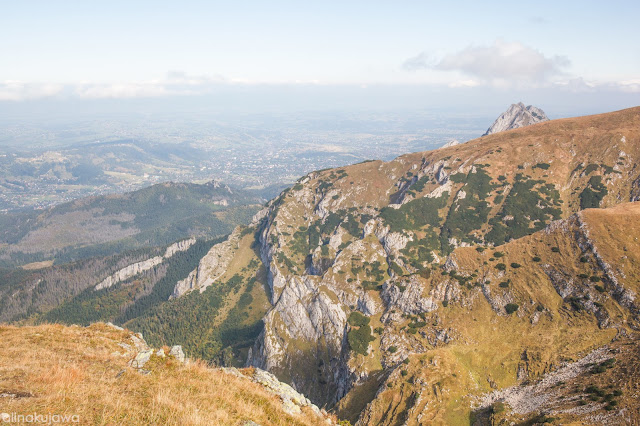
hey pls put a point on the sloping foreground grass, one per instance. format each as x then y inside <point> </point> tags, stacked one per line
<point>83,372</point>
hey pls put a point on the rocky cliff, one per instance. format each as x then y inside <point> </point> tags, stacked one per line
<point>516,116</point>
<point>134,269</point>
<point>366,264</point>
<point>211,267</point>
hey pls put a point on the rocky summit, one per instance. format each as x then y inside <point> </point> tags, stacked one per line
<point>517,116</point>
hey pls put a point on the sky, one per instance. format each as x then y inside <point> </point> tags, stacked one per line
<point>88,50</point>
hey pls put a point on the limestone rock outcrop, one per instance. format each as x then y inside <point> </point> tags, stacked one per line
<point>145,265</point>
<point>517,116</point>
<point>211,267</point>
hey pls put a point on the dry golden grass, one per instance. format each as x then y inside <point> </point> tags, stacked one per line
<point>83,371</point>
<point>37,265</point>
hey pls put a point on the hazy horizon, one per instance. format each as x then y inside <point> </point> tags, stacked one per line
<point>568,58</point>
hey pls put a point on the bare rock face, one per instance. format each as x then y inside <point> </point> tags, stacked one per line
<point>517,116</point>
<point>128,272</point>
<point>410,299</point>
<point>452,142</point>
<point>139,267</point>
<point>211,267</point>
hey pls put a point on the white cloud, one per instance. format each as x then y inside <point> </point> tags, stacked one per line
<point>175,83</point>
<point>120,90</point>
<point>465,83</point>
<point>500,64</point>
<point>632,86</point>
<point>13,90</point>
<point>420,61</point>
<point>182,78</point>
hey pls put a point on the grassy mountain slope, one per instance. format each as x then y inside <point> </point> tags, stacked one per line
<point>565,292</point>
<point>84,371</point>
<point>396,243</point>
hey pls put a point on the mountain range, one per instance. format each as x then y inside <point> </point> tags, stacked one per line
<point>488,282</point>
<point>110,224</point>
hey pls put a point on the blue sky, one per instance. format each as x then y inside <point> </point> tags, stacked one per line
<point>130,49</point>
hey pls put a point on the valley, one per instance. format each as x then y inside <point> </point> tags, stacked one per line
<point>55,161</point>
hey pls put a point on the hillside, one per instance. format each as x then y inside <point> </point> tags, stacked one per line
<point>480,283</point>
<point>341,240</point>
<point>508,316</point>
<point>56,370</point>
<point>110,224</point>
<point>152,291</point>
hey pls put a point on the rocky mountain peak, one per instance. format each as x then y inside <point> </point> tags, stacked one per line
<point>517,116</point>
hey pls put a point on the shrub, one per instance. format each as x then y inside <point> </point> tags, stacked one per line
<point>405,361</point>
<point>356,319</point>
<point>393,349</point>
<point>543,166</point>
<point>404,373</point>
<point>584,259</point>
<point>497,407</point>
<point>555,249</point>
<point>515,265</point>
<point>593,193</point>
<point>583,276</point>
<point>608,362</point>
<point>511,308</point>
<point>498,254</point>
<point>397,270</point>
<point>600,289</point>
<point>501,267</point>
<point>536,259</point>
<point>445,303</point>
<point>359,339</point>
<point>504,284</point>
<point>594,279</point>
